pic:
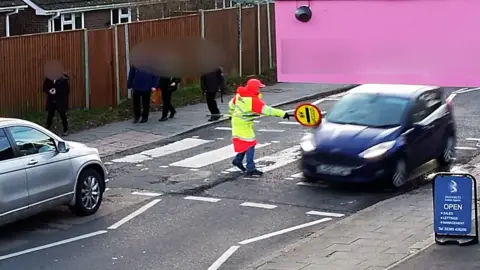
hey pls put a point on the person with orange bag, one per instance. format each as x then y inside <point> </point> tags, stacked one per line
<point>242,108</point>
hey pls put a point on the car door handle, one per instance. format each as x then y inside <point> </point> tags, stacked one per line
<point>32,162</point>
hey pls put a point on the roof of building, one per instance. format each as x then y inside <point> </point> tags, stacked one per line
<point>5,4</point>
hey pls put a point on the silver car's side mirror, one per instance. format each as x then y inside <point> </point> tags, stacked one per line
<point>62,147</point>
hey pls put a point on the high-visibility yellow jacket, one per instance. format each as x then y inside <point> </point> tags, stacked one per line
<point>243,107</point>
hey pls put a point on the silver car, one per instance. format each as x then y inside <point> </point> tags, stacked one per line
<point>39,170</point>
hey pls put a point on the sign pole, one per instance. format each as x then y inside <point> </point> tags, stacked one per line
<point>454,200</point>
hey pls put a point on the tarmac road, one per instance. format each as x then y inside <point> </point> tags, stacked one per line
<point>179,231</point>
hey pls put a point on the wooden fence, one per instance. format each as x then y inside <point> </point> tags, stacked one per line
<point>97,60</point>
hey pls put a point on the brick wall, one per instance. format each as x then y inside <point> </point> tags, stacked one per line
<point>27,22</point>
<point>2,24</point>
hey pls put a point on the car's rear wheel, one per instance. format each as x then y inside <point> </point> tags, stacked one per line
<point>88,193</point>
<point>400,175</point>
<point>448,152</point>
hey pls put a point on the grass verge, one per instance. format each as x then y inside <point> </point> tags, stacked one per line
<point>82,119</point>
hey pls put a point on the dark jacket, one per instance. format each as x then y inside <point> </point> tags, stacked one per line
<point>164,83</point>
<point>139,80</point>
<point>213,81</point>
<point>59,100</point>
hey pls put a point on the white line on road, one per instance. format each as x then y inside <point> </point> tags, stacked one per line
<point>162,151</point>
<point>210,157</point>
<point>287,230</point>
<point>289,178</point>
<point>307,184</point>
<point>463,91</point>
<point>275,141</point>
<point>276,160</point>
<point>325,214</point>
<point>473,139</point>
<point>218,263</point>
<point>318,101</point>
<point>203,199</point>
<point>193,170</point>
<point>66,241</point>
<point>134,214</point>
<point>223,128</point>
<point>298,175</point>
<point>259,205</point>
<point>164,166</point>
<point>289,123</point>
<point>465,148</point>
<point>148,194</point>
<point>271,130</point>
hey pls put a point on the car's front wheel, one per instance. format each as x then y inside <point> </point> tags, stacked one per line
<point>88,193</point>
<point>448,152</point>
<point>400,175</point>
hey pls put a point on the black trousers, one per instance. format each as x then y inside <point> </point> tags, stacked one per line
<point>141,99</point>
<point>167,103</point>
<point>51,113</point>
<point>212,103</point>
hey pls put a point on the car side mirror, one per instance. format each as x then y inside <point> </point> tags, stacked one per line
<point>62,147</point>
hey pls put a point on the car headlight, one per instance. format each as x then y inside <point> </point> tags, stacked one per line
<point>377,150</point>
<point>308,142</point>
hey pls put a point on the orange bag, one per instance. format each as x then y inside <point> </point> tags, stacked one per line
<point>156,97</point>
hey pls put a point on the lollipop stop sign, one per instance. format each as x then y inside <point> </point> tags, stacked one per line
<point>308,115</point>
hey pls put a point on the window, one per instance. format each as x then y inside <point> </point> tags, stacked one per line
<point>70,21</point>
<point>31,141</point>
<point>419,111</point>
<point>369,110</point>
<point>6,151</point>
<point>433,100</point>
<point>121,15</point>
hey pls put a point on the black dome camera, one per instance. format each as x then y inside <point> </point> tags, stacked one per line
<point>303,14</point>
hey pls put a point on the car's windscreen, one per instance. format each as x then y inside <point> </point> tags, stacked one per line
<point>373,110</point>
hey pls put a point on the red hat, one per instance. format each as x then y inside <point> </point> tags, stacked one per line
<point>255,84</point>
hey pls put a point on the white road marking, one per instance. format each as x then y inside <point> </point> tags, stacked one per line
<point>276,160</point>
<point>220,138</point>
<point>473,139</point>
<point>259,205</point>
<point>307,184</point>
<point>134,214</point>
<point>289,178</point>
<point>193,170</point>
<point>223,128</point>
<point>465,148</point>
<point>210,157</point>
<point>162,151</point>
<point>256,121</point>
<point>108,163</point>
<point>203,199</point>
<point>290,111</point>
<point>148,194</point>
<point>331,99</point>
<point>271,130</point>
<point>225,172</point>
<point>318,101</point>
<point>107,189</point>
<point>325,214</point>
<point>298,175</point>
<point>275,141</point>
<point>249,178</point>
<point>218,263</point>
<point>195,137</point>
<point>164,166</point>
<point>463,91</point>
<point>63,242</point>
<point>289,123</point>
<point>287,230</point>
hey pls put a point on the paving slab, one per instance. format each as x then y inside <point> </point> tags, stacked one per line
<point>118,137</point>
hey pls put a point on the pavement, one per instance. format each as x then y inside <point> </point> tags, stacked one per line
<point>178,204</point>
<point>119,137</point>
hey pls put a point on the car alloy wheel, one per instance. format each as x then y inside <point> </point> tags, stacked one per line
<point>400,174</point>
<point>448,152</point>
<point>90,193</point>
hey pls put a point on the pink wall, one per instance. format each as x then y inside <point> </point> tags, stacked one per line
<point>380,41</point>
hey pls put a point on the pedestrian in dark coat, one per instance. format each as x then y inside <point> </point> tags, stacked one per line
<point>142,84</point>
<point>168,85</point>
<point>58,91</point>
<point>211,83</point>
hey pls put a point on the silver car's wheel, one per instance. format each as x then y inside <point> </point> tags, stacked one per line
<point>400,175</point>
<point>90,192</point>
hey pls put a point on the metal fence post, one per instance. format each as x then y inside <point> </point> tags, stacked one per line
<point>259,40</point>
<point>269,35</point>
<point>86,66</point>
<point>202,23</point>
<point>240,41</point>
<point>127,57</point>
<point>117,64</point>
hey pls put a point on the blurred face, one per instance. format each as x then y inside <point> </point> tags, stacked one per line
<point>53,70</point>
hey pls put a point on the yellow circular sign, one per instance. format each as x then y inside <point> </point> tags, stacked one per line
<point>308,115</point>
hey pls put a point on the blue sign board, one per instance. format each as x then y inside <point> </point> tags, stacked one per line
<point>453,204</point>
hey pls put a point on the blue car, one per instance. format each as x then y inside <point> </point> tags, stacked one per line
<point>380,133</point>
